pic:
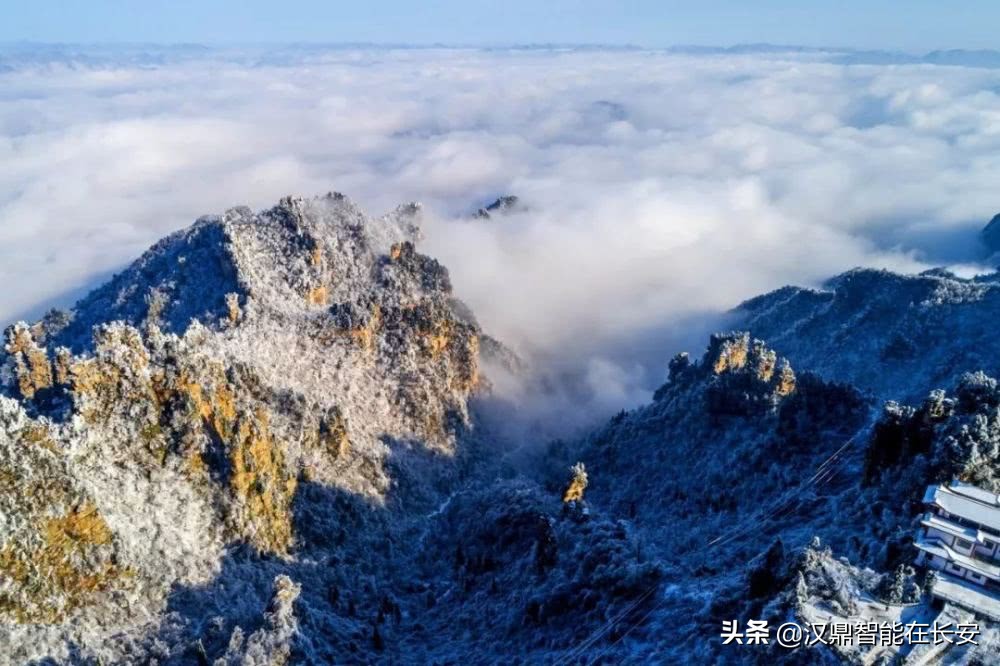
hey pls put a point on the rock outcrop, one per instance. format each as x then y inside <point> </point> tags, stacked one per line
<point>504,205</point>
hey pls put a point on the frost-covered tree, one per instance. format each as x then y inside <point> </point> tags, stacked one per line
<point>900,587</point>
<point>577,484</point>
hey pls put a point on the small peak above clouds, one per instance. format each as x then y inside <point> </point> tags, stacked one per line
<point>503,205</point>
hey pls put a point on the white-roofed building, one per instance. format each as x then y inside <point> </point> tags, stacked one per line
<point>960,537</point>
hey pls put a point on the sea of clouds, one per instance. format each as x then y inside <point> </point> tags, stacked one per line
<point>659,188</point>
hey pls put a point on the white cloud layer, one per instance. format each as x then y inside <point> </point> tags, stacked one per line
<point>660,187</point>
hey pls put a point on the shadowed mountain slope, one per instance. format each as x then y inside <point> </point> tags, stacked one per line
<point>897,335</point>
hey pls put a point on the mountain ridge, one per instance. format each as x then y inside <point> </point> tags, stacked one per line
<point>269,441</point>
<point>901,325</point>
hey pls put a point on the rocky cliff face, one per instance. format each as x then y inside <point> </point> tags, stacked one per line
<point>179,409</point>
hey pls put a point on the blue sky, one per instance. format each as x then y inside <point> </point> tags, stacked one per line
<point>912,25</point>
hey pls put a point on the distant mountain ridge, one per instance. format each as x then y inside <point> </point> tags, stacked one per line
<point>897,335</point>
<point>14,55</point>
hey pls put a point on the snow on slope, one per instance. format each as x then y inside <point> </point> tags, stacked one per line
<point>897,335</point>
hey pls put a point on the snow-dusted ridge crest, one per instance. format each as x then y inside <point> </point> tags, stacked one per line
<point>274,256</point>
<point>897,335</point>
